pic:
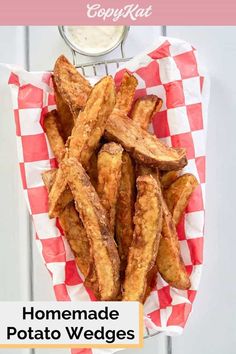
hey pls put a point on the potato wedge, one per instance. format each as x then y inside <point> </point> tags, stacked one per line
<point>143,147</point>
<point>147,232</point>
<point>86,134</point>
<point>178,194</point>
<point>94,218</point>
<point>71,85</point>
<point>125,210</point>
<point>64,112</point>
<point>53,131</point>
<point>169,261</point>
<point>168,177</point>
<point>144,109</point>
<point>91,122</point>
<point>109,175</point>
<point>73,228</point>
<point>126,92</point>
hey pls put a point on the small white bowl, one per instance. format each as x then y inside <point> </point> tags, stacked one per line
<point>74,47</point>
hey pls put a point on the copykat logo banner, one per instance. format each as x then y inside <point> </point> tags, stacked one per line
<point>122,12</point>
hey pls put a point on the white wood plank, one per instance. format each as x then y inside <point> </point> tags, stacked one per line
<point>14,233</point>
<point>211,326</point>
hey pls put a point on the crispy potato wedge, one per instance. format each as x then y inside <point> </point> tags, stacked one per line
<point>144,147</point>
<point>88,129</point>
<point>169,261</point>
<point>168,177</point>
<point>147,232</point>
<point>73,228</point>
<point>94,218</point>
<point>53,132</point>
<point>71,85</point>
<point>144,109</point>
<point>109,175</point>
<point>64,112</point>
<point>125,95</point>
<point>59,196</point>
<point>125,210</point>
<point>91,122</point>
<point>178,194</point>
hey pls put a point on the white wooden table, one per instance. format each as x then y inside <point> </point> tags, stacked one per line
<point>23,276</point>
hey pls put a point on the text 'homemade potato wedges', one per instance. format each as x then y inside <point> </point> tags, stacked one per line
<point>90,125</point>
<point>144,109</point>
<point>53,131</point>
<point>178,194</point>
<point>73,229</point>
<point>125,95</point>
<point>169,261</point>
<point>94,218</point>
<point>147,231</point>
<point>144,147</point>
<point>71,85</point>
<point>109,174</point>
<point>125,209</point>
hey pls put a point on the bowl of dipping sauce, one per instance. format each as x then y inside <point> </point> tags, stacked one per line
<point>93,40</point>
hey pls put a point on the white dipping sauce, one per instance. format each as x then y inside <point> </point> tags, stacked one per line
<point>94,39</point>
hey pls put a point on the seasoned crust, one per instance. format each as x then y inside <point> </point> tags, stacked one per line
<point>178,194</point>
<point>94,218</point>
<point>90,125</point>
<point>125,210</point>
<point>126,92</point>
<point>71,85</point>
<point>169,261</point>
<point>144,110</point>
<point>64,112</point>
<point>109,175</point>
<point>144,147</point>
<point>147,231</point>
<point>73,228</point>
<point>53,131</point>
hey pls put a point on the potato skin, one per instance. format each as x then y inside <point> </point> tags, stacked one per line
<point>143,146</point>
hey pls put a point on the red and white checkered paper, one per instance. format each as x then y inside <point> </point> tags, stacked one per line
<point>172,72</point>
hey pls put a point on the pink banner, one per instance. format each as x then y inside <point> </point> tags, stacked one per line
<point>107,12</point>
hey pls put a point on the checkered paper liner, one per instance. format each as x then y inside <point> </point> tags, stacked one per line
<point>171,71</point>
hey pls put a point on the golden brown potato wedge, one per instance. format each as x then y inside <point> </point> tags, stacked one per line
<point>53,131</point>
<point>73,228</point>
<point>125,210</point>
<point>178,194</point>
<point>126,92</point>
<point>86,134</point>
<point>109,174</point>
<point>168,177</point>
<point>71,85</point>
<point>94,218</point>
<point>144,109</point>
<point>144,147</point>
<point>147,232</point>
<point>169,261</point>
<point>64,112</point>
<point>90,125</point>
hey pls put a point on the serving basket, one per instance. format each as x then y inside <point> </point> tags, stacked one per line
<point>170,70</point>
